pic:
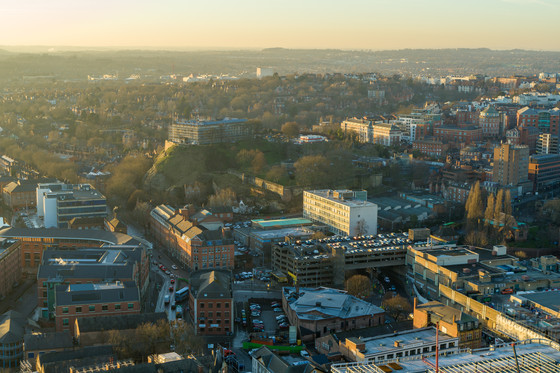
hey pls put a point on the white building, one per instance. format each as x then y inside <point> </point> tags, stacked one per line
<point>345,212</point>
<point>58,203</point>
<point>263,72</point>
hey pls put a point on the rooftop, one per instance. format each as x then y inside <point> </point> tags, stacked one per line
<point>210,122</point>
<point>279,223</point>
<point>326,303</point>
<point>344,197</point>
<point>209,284</point>
<point>548,299</point>
<point>112,238</point>
<point>47,341</point>
<point>77,294</point>
<point>407,339</point>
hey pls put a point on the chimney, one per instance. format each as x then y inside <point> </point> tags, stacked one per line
<point>415,302</point>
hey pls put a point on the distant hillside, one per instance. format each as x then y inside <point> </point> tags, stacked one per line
<point>78,64</point>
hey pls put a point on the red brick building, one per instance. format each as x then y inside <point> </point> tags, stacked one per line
<point>10,265</point>
<point>430,147</point>
<point>211,302</point>
<point>90,266</point>
<point>35,240</point>
<point>458,135</point>
<point>89,300</point>
<point>199,240</point>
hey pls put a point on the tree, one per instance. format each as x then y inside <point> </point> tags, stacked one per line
<point>474,206</point>
<point>361,227</point>
<point>185,340</point>
<point>277,174</point>
<point>222,198</point>
<point>489,213</point>
<point>358,286</point>
<point>507,203</point>
<point>312,170</point>
<point>498,206</point>
<point>318,235</point>
<point>396,306</point>
<point>290,129</point>
<point>258,162</point>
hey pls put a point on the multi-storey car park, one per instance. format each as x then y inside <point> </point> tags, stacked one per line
<point>324,262</point>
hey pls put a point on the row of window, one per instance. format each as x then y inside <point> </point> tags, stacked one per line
<point>104,307</point>
<point>210,305</point>
<point>211,314</point>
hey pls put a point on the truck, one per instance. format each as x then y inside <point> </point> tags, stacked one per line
<point>179,312</point>
<point>166,300</point>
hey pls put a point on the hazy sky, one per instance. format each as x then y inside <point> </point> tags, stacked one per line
<point>344,24</point>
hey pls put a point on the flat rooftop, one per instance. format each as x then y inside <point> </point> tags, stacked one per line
<point>280,223</point>
<point>532,357</point>
<point>385,343</point>
<point>548,299</point>
<point>278,233</point>
<point>351,202</point>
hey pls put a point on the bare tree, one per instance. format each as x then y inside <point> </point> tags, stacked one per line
<point>359,286</point>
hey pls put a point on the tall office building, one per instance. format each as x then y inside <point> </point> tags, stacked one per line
<point>199,132</point>
<point>58,203</point>
<point>345,212</point>
<point>511,165</point>
<point>547,144</point>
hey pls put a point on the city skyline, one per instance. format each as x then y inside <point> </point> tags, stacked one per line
<point>248,24</point>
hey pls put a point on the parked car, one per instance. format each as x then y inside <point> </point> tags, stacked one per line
<point>507,291</point>
<point>277,309</point>
<point>174,266</point>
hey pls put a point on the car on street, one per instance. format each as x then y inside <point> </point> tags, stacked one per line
<point>171,289</point>
<point>174,267</point>
<point>277,309</point>
<point>172,281</point>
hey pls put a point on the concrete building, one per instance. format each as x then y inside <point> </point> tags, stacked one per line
<point>59,203</point>
<point>547,144</point>
<point>89,300</point>
<point>345,212</point>
<point>531,355</point>
<point>474,271</point>
<point>10,265</point>
<point>307,266</point>
<point>386,134</point>
<point>450,321</point>
<point>321,311</point>
<point>362,128</point>
<point>398,345</point>
<point>199,132</point>
<point>511,165</point>
<point>489,121</point>
<point>544,171</point>
<point>263,72</point>
<point>211,302</point>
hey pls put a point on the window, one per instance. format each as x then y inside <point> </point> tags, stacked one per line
<point>209,305</point>
<point>218,305</point>
<point>218,314</point>
<point>210,314</point>
<point>201,305</point>
<point>117,306</point>
<point>105,307</point>
<point>91,308</point>
<point>227,305</point>
<point>130,306</point>
<point>64,309</point>
<point>64,321</point>
<point>79,309</point>
<point>44,294</point>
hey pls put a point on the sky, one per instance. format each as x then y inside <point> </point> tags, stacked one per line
<point>317,24</point>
